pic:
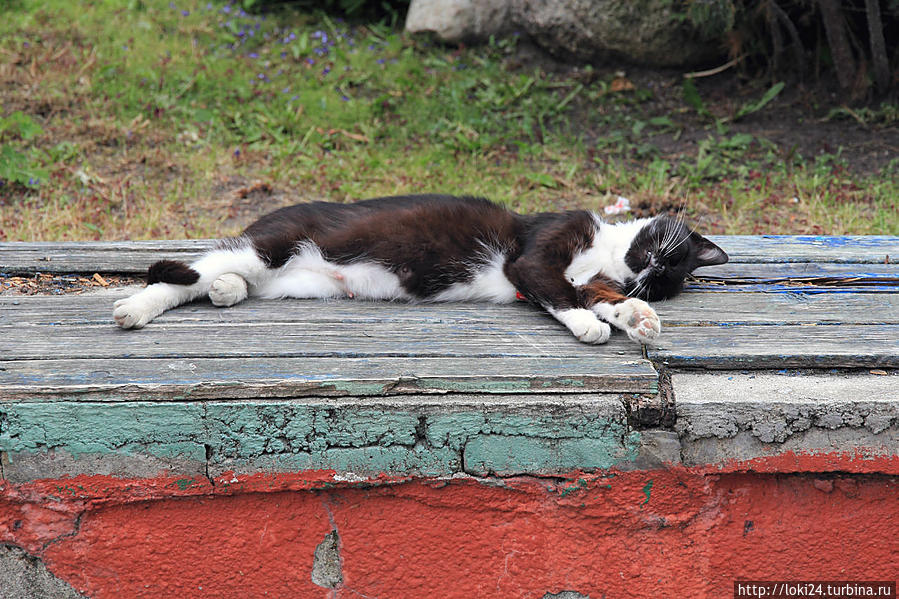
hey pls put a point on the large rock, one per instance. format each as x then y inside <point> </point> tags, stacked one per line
<point>650,32</point>
<point>461,20</point>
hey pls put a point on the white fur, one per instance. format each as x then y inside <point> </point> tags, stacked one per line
<point>488,284</point>
<point>606,254</point>
<point>308,275</point>
<point>228,290</point>
<point>633,316</point>
<point>583,324</point>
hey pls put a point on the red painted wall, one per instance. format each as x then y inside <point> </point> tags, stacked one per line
<point>688,533</point>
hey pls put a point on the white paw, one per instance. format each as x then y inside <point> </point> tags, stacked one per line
<point>133,312</point>
<point>584,325</point>
<point>637,319</point>
<point>228,289</point>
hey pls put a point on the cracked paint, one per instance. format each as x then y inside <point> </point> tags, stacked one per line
<point>460,537</point>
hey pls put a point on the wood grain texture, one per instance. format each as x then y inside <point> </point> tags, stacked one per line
<point>779,346</point>
<point>266,339</point>
<point>62,348</point>
<point>265,378</point>
<point>688,308</point>
<point>858,249</point>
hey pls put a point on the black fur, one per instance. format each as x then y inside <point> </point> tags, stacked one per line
<point>172,271</point>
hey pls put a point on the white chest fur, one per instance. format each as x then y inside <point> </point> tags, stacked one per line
<point>606,254</point>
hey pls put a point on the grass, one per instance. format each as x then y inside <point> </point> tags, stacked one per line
<point>148,119</point>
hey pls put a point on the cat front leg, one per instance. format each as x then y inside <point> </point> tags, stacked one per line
<point>633,316</point>
<point>548,288</point>
<point>583,324</point>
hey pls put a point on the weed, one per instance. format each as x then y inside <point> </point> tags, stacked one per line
<point>18,166</point>
<point>148,119</point>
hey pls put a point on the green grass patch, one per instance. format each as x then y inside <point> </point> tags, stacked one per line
<point>154,119</point>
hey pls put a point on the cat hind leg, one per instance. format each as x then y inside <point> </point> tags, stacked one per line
<point>171,283</point>
<point>228,289</point>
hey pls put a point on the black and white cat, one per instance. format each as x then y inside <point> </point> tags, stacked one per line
<point>586,273</point>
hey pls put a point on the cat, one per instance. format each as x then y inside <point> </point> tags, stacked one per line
<point>586,273</point>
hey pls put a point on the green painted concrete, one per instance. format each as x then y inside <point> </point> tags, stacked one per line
<point>507,455</point>
<point>97,428</point>
<point>250,436</point>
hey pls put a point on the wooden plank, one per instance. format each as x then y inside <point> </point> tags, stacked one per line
<point>122,257</point>
<point>97,309</point>
<point>859,249</point>
<point>779,271</point>
<point>263,378</point>
<point>777,347</point>
<point>740,308</point>
<point>688,308</point>
<point>133,257</point>
<point>197,340</point>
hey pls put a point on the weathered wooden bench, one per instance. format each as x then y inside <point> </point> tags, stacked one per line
<point>394,450</point>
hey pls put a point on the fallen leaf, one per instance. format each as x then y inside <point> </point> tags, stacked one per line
<point>621,84</point>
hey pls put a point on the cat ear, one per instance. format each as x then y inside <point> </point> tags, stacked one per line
<point>707,253</point>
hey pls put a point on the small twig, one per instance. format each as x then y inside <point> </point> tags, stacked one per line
<point>715,71</point>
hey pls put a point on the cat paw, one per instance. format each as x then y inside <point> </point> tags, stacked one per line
<point>584,325</point>
<point>133,312</point>
<point>638,320</point>
<point>228,289</point>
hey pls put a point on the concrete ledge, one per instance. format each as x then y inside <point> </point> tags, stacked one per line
<point>735,417</point>
<point>722,420</point>
<point>399,436</point>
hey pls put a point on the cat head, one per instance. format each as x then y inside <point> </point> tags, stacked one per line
<point>663,253</point>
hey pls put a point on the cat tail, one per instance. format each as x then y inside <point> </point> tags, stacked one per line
<point>221,273</point>
<point>173,272</point>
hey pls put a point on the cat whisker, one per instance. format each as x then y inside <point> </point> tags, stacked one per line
<point>680,243</point>
<point>672,229</point>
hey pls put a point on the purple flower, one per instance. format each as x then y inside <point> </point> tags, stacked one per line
<point>33,181</point>
<point>294,98</point>
<point>344,98</point>
<point>310,61</point>
<point>286,90</point>
<point>185,13</point>
<point>253,55</point>
<point>326,70</point>
<point>380,61</point>
<point>226,9</point>
<point>283,54</point>
<point>237,153</point>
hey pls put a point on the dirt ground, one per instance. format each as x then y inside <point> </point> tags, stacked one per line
<point>798,121</point>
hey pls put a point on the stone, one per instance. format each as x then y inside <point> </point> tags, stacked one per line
<point>649,32</point>
<point>23,576</point>
<point>327,568</point>
<point>460,20</point>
